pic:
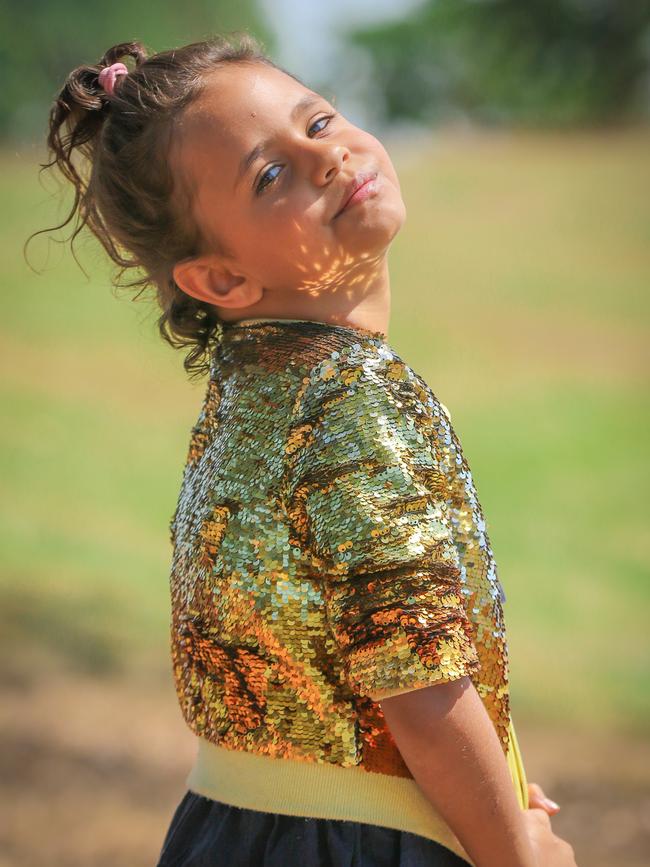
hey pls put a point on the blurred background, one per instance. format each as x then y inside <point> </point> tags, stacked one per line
<point>520,130</point>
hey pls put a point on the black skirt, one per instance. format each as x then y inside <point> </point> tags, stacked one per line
<point>207,833</point>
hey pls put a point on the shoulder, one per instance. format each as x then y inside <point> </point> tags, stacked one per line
<point>359,373</point>
<point>364,405</point>
<point>365,488</point>
<point>366,388</point>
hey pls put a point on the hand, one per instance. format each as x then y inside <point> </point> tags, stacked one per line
<point>550,850</point>
<point>537,798</point>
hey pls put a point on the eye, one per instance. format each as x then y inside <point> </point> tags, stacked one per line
<point>262,186</point>
<point>321,119</point>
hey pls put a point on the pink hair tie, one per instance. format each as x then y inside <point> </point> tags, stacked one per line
<point>108,75</point>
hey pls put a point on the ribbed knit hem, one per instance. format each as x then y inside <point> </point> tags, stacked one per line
<point>319,790</point>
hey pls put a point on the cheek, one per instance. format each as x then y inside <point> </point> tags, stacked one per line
<point>276,239</point>
<point>383,158</point>
<point>260,235</point>
<point>288,223</point>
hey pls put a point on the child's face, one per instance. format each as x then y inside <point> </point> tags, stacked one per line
<point>286,235</point>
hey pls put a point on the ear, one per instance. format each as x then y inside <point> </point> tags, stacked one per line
<point>208,278</point>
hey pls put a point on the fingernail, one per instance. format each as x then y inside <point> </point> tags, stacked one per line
<point>551,803</point>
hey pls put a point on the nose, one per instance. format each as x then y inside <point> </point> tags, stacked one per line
<point>328,158</point>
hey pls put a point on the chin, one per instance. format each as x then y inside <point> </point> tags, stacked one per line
<point>377,229</point>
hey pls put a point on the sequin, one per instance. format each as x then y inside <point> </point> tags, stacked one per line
<point>329,550</point>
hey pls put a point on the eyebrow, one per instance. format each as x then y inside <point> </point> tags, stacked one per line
<point>304,103</point>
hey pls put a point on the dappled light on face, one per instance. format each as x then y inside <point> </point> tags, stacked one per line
<point>346,274</point>
<point>329,268</point>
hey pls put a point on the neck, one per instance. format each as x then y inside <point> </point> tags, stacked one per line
<point>361,299</point>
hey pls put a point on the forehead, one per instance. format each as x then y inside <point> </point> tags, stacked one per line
<point>241,105</point>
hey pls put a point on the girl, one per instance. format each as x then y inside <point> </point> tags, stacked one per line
<point>337,632</point>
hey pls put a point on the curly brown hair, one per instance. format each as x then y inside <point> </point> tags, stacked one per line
<point>124,189</point>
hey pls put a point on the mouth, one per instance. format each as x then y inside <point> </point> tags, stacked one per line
<point>358,182</point>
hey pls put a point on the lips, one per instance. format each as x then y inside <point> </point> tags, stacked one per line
<point>358,181</point>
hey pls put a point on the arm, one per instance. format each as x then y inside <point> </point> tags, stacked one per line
<point>368,481</point>
<point>450,746</point>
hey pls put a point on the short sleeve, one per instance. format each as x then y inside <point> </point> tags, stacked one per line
<point>369,503</point>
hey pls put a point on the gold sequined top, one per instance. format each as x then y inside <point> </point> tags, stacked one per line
<point>329,550</point>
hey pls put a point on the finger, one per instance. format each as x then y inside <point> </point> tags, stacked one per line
<point>535,789</point>
<point>537,798</point>
<point>545,804</point>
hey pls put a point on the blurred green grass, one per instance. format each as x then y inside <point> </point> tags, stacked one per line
<point>519,292</point>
